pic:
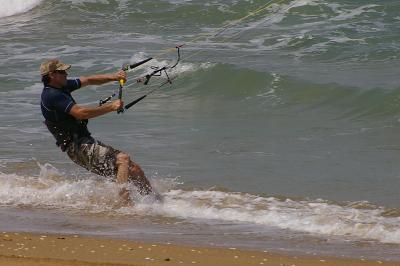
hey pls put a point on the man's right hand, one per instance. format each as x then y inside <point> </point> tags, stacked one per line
<point>89,112</point>
<point>117,104</point>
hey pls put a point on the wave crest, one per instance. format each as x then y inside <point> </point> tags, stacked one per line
<point>17,7</point>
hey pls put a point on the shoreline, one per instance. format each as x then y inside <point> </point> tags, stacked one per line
<point>51,249</point>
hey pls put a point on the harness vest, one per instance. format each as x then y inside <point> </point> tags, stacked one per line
<point>65,128</point>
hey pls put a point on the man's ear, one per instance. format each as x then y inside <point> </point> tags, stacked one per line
<point>51,75</point>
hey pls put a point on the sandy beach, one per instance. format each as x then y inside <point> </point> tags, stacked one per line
<point>44,249</point>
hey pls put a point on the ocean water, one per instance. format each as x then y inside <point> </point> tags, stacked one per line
<point>279,132</point>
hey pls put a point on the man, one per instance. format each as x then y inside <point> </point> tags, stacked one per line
<point>67,121</point>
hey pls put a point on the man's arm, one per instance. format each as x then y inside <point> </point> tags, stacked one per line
<point>89,112</point>
<point>102,78</point>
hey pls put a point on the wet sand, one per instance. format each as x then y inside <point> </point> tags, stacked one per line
<point>59,250</point>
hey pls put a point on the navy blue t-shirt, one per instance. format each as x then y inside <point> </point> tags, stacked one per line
<point>57,103</point>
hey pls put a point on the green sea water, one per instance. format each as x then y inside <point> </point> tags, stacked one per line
<point>284,118</point>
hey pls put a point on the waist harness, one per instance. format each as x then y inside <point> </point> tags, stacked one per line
<point>68,131</point>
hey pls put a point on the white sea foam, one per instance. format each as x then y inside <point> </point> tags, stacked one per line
<point>348,14</point>
<point>87,1</point>
<point>317,217</point>
<point>276,13</point>
<point>52,190</point>
<point>14,7</point>
<point>279,12</point>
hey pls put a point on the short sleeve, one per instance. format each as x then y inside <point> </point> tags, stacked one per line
<point>73,84</point>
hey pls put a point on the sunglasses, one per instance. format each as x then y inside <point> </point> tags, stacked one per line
<point>62,72</point>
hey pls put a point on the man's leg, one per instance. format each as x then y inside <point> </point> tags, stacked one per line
<point>137,176</point>
<point>122,174</point>
<point>128,170</point>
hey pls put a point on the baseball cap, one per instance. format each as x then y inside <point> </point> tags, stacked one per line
<point>52,65</point>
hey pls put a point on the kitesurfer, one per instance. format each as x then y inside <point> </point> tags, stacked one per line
<point>67,121</point>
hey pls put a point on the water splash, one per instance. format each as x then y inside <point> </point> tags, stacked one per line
<point>52,189</point>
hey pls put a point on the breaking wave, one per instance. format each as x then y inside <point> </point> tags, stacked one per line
<point>354,220</point>
<point>18,6</point>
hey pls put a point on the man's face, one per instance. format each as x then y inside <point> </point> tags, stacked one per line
<point>58,78</point>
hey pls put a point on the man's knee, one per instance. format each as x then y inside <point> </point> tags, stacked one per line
<point>123,158</point>
<point>135,168</point>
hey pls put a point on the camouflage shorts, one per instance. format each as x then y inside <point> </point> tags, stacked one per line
<point>95,156</point>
